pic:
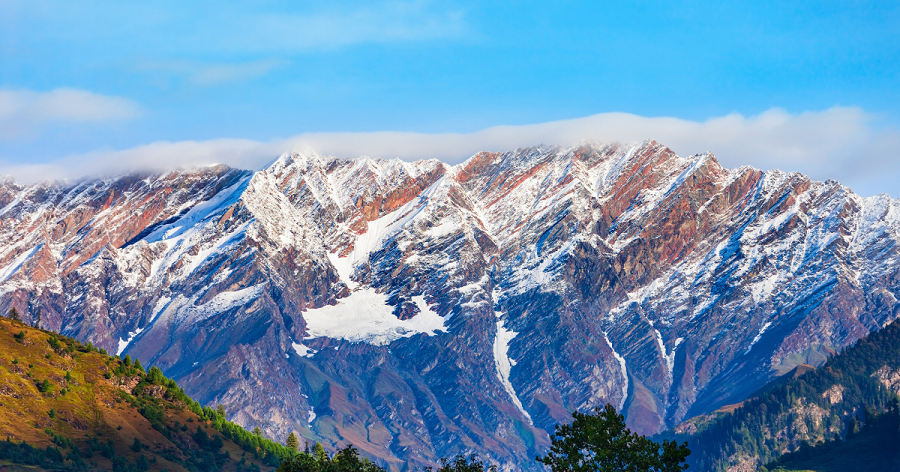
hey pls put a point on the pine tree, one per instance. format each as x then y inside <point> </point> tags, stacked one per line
<point>319,453</point>
<point>45,386</point>
<point>292,442</point>
<point>37,319</point>
<point>14,315</point>
<point>142,463</point>
<point>257,432</point>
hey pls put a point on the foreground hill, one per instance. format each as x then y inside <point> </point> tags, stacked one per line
<point>842,416</point>
<point>420,310</point>
<point>66,406</point>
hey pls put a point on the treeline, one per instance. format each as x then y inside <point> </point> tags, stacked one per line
<point>317,460</point>
<point>594,441</point>
<point>208,456</point>
<point>817,407</point>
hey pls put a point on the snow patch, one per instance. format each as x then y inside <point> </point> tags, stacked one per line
<point>123,344</point>
<point>224,301</point>
<point>762,290</point>
<point>542,276</point>
<point>758,336</point>
<point>365,316</point>
<point>344,268</point>
<point>668,356</point>
<point>17,263</point>
<point>303,351</point>
<point>624,370</point>
<point>180,248</point>
<point>504,363</point>
<point>441,230</point>
<point>312,416</point>
<point>160,305</point>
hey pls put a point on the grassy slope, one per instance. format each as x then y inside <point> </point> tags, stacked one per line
<point>90,406</point>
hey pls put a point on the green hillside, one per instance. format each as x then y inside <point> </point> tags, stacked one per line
<point>68,406</point>
<point>842,413</point>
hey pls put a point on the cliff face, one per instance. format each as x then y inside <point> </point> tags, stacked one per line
<point>418,310</point>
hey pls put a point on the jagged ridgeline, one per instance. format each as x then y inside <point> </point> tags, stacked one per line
<point>69,406</point>
<point>841,416</point>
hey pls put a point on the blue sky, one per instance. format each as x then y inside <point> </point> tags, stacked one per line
<point>81,80</point>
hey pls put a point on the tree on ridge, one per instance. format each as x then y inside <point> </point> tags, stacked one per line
<point>601,442</point>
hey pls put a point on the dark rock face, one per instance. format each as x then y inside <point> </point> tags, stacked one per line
<point>418,310</point>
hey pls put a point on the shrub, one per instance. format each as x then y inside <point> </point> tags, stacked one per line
<point>45,386</point>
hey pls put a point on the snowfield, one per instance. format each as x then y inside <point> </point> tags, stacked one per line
<point>365,316</point>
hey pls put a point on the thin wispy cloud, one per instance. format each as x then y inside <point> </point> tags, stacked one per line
<point>24,113</point>
<point>387,22</point>
<point>211,44</point>
<point>840,143</point>
<point>200,73</point>
<point>170,29</point>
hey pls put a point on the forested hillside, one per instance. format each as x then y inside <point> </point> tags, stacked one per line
<point>846,405</point>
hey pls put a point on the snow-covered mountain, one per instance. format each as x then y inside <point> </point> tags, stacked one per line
<point>419,310</point>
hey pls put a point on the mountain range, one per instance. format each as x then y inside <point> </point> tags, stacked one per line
<point>418,310</point>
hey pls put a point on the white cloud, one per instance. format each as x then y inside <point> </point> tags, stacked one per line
<point>240,153</point>
<point>845,144</point>
<point>841,143</point>
<point>23,113</point>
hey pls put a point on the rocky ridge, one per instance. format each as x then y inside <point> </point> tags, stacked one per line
<point>418,310</point>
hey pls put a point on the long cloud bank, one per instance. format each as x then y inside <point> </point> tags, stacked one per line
<point>841,143</point>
